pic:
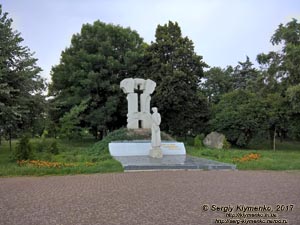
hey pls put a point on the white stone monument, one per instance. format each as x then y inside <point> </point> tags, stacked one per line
<point>139,116</point>
<point>138,97</point>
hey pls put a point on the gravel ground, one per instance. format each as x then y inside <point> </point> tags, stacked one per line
<point>164,197</point>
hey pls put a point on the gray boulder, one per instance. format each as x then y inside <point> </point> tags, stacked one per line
<point>214,140</point>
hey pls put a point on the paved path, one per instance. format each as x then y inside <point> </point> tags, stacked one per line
<point>137,198</point>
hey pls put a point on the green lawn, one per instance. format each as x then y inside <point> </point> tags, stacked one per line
<point>288,159</point>
<point>75,153</point>
<point>84,156</point>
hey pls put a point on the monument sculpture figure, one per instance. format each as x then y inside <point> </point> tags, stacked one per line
<point>155,130</point>
<point>156,151</point>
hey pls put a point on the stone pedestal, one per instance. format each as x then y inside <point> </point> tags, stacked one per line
<point>142,147</point>
<point>156,153</point>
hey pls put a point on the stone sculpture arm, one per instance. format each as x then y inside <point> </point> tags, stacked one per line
<point>147,116</point>
<point>156,119</point>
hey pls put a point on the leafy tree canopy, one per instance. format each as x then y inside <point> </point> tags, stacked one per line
<point>284,65</point>
<point>217,81</point>
<point>172,62</point>
<point>265,101</point>
<point>90,70</point>
<point>239,115</point>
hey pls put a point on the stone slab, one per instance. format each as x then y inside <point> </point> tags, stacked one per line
<point>142,148</point>
<point>171,162</point>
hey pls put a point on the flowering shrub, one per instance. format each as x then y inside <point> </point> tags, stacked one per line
<point>89,164</point>
<point>248,157</point>
<point>46,164</point>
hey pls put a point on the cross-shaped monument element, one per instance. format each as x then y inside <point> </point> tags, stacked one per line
<point>138,97</point>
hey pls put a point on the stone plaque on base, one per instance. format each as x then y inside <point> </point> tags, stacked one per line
<point>135,148</point>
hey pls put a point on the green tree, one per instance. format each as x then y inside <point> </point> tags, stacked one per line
<point>217,82</point>
<point>281,71</point>
<point>293,99</point>
<point>244,75</point>
<point>20,82</point>
<point>36,115</point>
<point>70,122</point>
<point>173,64</point>
<point>239,115</point>
<point>90,70</point>
<point>242,115</point>
<point>275,108</point>
<point>283,65</point>
<point>293,95</point>
<point>23,150</point>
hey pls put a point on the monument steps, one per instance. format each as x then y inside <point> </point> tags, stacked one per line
<point>171,162</point>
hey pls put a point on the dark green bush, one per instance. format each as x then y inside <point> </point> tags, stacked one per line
<point>226,144</point>
<point>101,147</point>
<point>40,145</point>
<point>105,157</point>
<point>198,141</point>
<point>23,150</point>
<point>188,140</point>
<point>242,140</point>
<point>52,148</point>
<point>46,145</point>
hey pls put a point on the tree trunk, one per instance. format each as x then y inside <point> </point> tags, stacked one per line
<point>274,139</point>
<point>10,140</point>
<point>271,137</point>
<point>96,133</point>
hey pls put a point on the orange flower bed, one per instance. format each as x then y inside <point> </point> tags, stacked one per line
<point>249,157</point>
<point>44,164</point>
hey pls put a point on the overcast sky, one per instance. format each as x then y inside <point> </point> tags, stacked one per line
<point>223,31</point>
